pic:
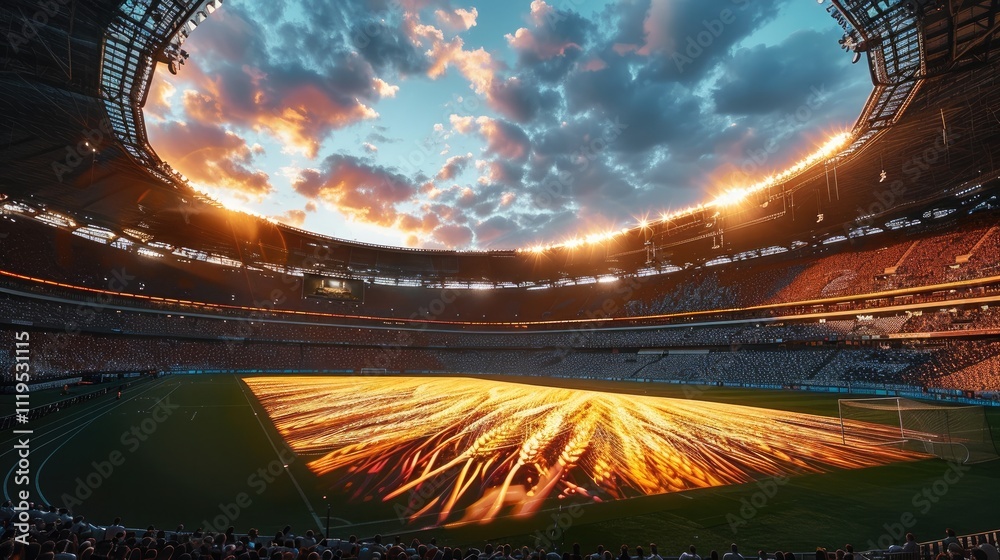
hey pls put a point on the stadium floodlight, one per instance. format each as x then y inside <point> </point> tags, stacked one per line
<point>955,433</point>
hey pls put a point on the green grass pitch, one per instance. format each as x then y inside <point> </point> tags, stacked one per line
<point>199,450</point>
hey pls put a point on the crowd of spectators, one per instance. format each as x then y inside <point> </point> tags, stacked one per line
<point>869,365</point>
<point>967,364</point>
<point>980,377</point>
<point>842,272</point>
<point>113,333</point>
<point>54,534</point>
<point>929,258</point>
<point>100,318</point>
<point>776,354</point>
<point>54,354</point>
<point>954,356</point>
<point>803,275</point>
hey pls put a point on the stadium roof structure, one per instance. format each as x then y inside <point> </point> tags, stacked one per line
<point>74,75</point>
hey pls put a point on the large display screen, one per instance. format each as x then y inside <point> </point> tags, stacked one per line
<point>314,286</point>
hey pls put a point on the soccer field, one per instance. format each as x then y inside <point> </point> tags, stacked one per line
<point>203,451</point>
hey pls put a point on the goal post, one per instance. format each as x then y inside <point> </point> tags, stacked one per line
<point>954,433</point>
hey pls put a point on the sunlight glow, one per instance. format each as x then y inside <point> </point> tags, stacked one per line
<point>730,197</point>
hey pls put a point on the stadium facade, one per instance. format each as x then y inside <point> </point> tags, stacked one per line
<point>874,265</point>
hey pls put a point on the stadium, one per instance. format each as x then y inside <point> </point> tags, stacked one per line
<point>811,360</point>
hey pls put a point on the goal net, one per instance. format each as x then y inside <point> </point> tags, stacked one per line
<point>954,433</point>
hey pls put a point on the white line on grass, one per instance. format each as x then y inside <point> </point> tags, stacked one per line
<point>319,522</point>
<point>69,419</point>
<point>70,434</point>
<point>96,413</point>
<point>163,398</point>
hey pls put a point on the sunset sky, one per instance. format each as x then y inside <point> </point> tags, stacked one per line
<point>497,124</point>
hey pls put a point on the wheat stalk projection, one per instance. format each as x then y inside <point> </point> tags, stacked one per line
<point>481,449</point>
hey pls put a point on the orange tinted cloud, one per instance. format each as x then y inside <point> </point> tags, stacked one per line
<point>211,156</point>
<point>233,79</point>
<point>459,19</point>
<point>477,66</point>
<point>462,125</point>
<point>361,191</point>
<point>294,218</point>
<point>159,101</point>
<point>454,166</point>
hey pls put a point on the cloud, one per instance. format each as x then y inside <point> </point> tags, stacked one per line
<point>517,99</point>
<point>211,156</point>
<point>367,193</point>
<point>794,71</point>
<point>477,66</point>
<point>453,236</point>
<point>595,115</point>
<point>384,89</point>
<point>659,34</point>
<point>453,167</point>
<point>503,172</point>
<point>459,19</point>
<point>553,33</point>
<point>294,218</point>
<point>240,78</point>
<point>159,101</point>
<point>504,139</point>
<point>495,230</point>
<point>461,125</point>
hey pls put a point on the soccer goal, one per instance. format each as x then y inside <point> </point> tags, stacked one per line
<point>954,433</point>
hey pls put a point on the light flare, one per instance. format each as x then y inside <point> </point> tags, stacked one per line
<point>727,198</point>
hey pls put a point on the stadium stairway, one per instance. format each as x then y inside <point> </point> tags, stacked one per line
<point>826,361</point>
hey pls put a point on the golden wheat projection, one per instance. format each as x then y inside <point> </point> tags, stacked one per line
<point>477,449</point>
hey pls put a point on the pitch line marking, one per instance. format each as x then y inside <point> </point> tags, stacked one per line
<point>319,522</point>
